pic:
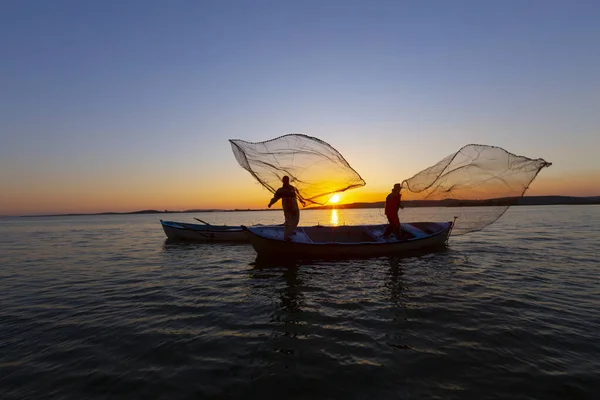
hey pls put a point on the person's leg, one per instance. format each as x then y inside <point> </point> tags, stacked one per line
<point>390,228</point>
<point>294,220</point>
<point>397,231</point>
<point>395,226</point>
<point>291,222</point>
<point>287,226</point>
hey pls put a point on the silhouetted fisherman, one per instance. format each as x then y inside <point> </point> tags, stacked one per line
<point>392,206</point>
<point>289,196</point>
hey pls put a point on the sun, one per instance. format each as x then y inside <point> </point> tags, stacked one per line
<point>335,198</point>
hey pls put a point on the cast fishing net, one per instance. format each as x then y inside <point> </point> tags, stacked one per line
<point>315,168</point>
<point>477,184</point>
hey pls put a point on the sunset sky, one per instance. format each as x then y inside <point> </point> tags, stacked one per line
<point>129,105</point>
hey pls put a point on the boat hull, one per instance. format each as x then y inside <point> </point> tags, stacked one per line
<point>357,241</point>
<point>181,231</point>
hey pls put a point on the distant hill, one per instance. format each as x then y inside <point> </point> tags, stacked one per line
<point>555,200</point>
<point>506,201</point>
<point>524,201</point>
<point>147,212</point>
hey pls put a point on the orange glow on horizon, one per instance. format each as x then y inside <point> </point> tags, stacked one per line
<point>243,194</point>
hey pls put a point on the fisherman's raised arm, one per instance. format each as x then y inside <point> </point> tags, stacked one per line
<point>276,197</point>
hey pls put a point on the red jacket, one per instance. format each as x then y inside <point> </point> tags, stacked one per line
<point>392,203</point>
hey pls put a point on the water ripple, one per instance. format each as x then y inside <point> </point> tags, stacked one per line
<point>117,312</point>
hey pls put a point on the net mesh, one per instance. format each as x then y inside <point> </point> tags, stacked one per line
<point>315,168</point>
<point>477,184</point>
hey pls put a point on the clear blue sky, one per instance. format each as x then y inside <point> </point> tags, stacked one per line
<point>136,97</point>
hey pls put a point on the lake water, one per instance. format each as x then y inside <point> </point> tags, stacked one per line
<point>101,307</point>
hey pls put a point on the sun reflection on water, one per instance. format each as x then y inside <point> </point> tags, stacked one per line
<point>334,220</point>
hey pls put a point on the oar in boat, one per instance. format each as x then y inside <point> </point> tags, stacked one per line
<point>204,222</point>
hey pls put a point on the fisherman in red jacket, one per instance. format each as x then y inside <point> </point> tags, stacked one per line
<point>392,206</point>
<point>288,195</point>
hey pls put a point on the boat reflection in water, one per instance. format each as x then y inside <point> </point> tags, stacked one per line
<point>307,305</point>
<point>282,286</point>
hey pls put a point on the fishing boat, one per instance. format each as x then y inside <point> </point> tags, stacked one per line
<point>352,241</point>
<point>204,232</point>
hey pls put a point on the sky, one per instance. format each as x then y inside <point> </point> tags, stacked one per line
<point>128,105</point>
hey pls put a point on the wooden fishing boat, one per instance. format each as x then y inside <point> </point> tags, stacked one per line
<point>354,241</point>
<point>203,233</point>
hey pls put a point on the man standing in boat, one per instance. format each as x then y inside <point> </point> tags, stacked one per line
<point>289,196</point>
<point>392,206</point>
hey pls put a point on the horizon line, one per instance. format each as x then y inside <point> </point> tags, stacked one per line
<point>326,206</point>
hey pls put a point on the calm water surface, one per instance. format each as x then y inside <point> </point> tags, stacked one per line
<point>101,307</point>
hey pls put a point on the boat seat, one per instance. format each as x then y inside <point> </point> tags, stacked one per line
<point>376,237</point>
<point>416,232</point>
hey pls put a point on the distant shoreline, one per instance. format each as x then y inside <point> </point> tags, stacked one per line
<point>524,201</point>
